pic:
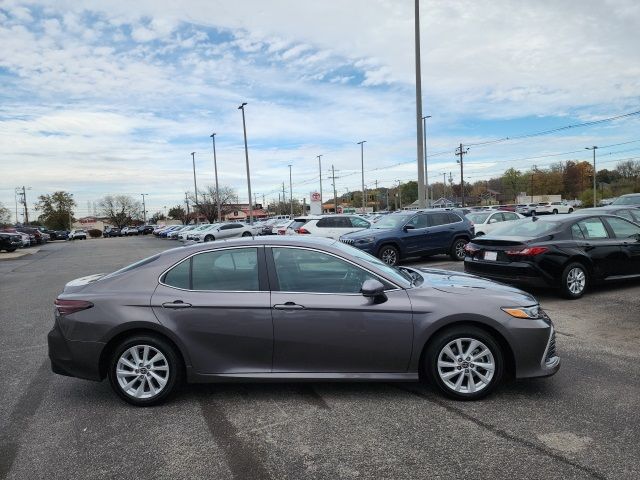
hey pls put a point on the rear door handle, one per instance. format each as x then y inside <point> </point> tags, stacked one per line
<point>177,304</point>
<point>288,306</point>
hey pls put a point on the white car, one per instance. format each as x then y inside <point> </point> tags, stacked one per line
<point>484,222</point>
<point>222,231</point>
<point>328,226</point>
<point>26,241</point>
<point>78,235</point>
<point>553,208</point>
<point>174,235</point>
<point>191,233</point>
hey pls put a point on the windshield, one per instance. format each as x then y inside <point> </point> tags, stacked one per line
<point>631,200</point>
<point>391,221</point>
<point>400,277</point>
<point>525,228</point>
<point>477,217</point>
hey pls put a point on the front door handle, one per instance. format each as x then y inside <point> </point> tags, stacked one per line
<point>288,306</point>
<point>177,304</point>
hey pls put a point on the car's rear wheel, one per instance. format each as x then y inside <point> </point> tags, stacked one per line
<point>575,279</point>
<point>571,210</point>
<point>209,238</point>
<point>464,362</point>
<point>457,249</point>
<point>555,211</point>
<point>389,255</point>
<point>145,370</point>
<point>246,234</point>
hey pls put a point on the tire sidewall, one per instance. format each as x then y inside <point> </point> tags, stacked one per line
<point>173,359</point>
<point>453,254</point>
<point>564,288</point>
<point>389,247</point>
<point>430,360</point>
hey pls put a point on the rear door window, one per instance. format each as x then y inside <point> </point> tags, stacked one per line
<point>437,219</point>
<point>230,270</point>
<point>419,221</point>
<point>623,228</point>
<point>327,222</point>
<point>593,229</point>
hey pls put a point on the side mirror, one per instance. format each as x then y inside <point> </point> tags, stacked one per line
<point>373,288</point>
<point>406,228</point>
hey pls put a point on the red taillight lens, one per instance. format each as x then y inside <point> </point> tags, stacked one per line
<point>527,252</point>
<point>470,249</point>
<point>281,232</point>
<point>303,231</point>
<point>67,307</point>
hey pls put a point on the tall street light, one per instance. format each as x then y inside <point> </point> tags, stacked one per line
<point>195,185</point>
<point>144,208</point>
<point>364,200</point>
<point>594,148</point>
<point>215,169</point>
<point>421,196</point>
<point>426,173</point>
<point>291,191</point>
<point>246,156</point>
<point>320,171</point>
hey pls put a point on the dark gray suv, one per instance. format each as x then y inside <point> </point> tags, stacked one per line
<point>294,308</point>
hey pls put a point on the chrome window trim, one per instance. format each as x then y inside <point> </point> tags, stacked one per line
<point>397,287</point>
<point>160,282</point>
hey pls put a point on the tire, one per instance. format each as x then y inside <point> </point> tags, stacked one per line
<point>168,369</point>
<point>458,385</point>
<point>209,238</point>
<point>389,255</point>
<point>456,252</point>
<point>575,279</point>
<point>571,210</point>
<point>247,234</point>
<point>11,250</point>
<point>555,211</point>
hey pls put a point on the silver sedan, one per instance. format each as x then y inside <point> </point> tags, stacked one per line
<point>294,308</point>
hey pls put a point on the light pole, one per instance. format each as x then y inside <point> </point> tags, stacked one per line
<point>195,185</point>
<point>144,208</point>
<point>364,201</point>
<point>426,173</point>
<point>215,169</point>
<point>421,196</point>
<point>594,148</point>
<point>290,191</point>
<point>246,156</point>
<point>320,171</point>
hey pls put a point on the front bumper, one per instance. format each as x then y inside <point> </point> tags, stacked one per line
<point>534,348</point>
<point>74,358</point>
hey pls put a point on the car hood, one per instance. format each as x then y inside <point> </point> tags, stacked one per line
<point>459,283</point>
<point>366,233</point>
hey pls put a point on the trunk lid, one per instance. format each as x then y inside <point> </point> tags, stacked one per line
<point>79,283</point>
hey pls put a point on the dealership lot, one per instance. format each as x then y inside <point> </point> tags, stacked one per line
<point>581,423</point>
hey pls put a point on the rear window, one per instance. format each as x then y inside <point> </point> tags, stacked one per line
<point>526,228</point>
<point>477,217</point>
<point>133,266</point>
<point>297,223</point>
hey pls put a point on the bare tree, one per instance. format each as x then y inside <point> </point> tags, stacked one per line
<point>120,209</point>
<point>208,206</point>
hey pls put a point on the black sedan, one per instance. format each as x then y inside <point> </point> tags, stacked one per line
<point>625,211</point>
<point>567,253</point>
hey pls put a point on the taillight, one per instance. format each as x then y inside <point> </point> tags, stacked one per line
<point>303,231</point>
<point>470,249</point>
<point>67,307</point>
<point>527,252</point>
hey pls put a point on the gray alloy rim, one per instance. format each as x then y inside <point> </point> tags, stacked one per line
<point>460,249</point>
<point>389,256</point>
<point>142,371</point>
<point>466,365</point>
<point>576,280</point>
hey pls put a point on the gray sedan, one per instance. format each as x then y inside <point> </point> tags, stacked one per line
<point>294,308</point>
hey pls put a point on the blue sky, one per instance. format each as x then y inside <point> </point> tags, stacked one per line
<point>111,97</point>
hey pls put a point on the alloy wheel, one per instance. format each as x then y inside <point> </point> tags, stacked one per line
<point>466,365</point>
<point>389,256</point>
<point>142,371</point>
<point>460,249</point>
<point>576,280</point>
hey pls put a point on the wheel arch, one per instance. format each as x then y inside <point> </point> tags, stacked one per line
<point>386,243</point>
<point>510,360</point>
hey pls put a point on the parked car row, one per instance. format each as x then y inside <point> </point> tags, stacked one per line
<point>206,232</point>
<point>127,231</point>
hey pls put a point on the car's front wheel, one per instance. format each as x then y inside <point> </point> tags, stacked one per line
<point>464,362</point>
<point>246,234</point>
<point>389,255</point>
<point>209,238</point>
<point>574,280</point>
<point>145,370</point>
<point>457,249</point>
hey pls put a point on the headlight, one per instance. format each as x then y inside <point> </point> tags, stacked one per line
<point>366,240</point>
<point>534,312</point>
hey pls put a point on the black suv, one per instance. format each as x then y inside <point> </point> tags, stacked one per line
<point>414,234</point>
<point>10,241</point>
<point>111,232</point>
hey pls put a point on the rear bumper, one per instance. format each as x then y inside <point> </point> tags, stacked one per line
<point>517,273</point>
<point>74,358</point>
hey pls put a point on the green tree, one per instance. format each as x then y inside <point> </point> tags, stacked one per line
<point>158,216</point>
<point>57,210</point>
<point>179,213</point>
<point>513,182</point>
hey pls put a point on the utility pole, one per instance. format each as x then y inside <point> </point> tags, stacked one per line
<point>335,195</point>
<point>186,200</point>
<point>195,185</point>
<point>444,185</point>
<point>532,186</point>
<point>421,196</point>
<point>26,209</point>
<point>284,199</point>
<point>279,203</point>
<point>215,169</point>
<point>594,148</point>
<point>426,173</point>
<point>461,152</point>
<point>246,156</point>
<point>290,191</point>
<point>399,195</point>
<point>362,165</point>
<point>144,208</point>
<point>320,171</point>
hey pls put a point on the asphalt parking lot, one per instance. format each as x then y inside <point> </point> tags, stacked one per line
<point>581,423</point>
